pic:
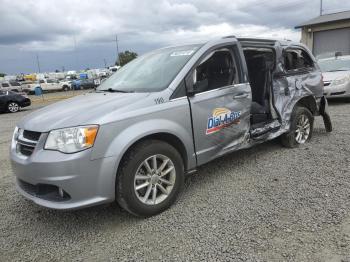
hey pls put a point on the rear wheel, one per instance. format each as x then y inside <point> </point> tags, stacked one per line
<point>301,128</point>
<point>150,178</point>
<point>13,107</point>
<point>65,88</point>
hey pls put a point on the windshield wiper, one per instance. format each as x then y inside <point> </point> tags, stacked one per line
<point>111,90</point>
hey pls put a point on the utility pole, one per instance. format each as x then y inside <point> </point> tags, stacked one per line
<point>104,60</point>
<point>116,41</point>
<point>75,52</point>
<point>37,61</point>
<point>321,7</point>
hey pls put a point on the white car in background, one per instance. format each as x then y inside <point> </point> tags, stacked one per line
<point>336,76</point>
<point>11,86</point>
<point>50,85</point>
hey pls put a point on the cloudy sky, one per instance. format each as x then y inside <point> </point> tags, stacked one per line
<point>77,34</point>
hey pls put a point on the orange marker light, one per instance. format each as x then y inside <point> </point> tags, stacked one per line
<point>90,135</point>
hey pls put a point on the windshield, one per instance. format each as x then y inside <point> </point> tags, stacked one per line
<point>151,72</point>
<point>331,65</point>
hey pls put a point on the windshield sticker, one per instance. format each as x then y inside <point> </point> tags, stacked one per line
<point>182,53</point>
<point>222,118</point>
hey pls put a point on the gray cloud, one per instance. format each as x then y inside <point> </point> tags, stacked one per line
<point>55,28</point>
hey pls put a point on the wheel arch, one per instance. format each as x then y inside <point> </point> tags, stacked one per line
<point>309,102</point>
<point>166,137</point>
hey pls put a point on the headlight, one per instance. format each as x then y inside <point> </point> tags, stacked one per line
<point>340,81</point>
<point>71,140</point>
<point>15,137</point>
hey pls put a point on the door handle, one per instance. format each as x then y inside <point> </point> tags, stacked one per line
<point>240,96</point>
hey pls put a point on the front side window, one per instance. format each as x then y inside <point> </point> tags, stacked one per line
<point>216,70</point>
<point>296,59</point>
<point>151,72</point>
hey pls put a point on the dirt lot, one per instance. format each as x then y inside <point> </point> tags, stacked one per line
<point>267,203</point>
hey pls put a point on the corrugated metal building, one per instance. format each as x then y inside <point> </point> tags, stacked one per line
<point>327,33</point>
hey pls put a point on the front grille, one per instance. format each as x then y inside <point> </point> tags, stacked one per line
<point>27,141</point>
<point>44,191</point>
<point>25,150</point>
<point>31,135</point>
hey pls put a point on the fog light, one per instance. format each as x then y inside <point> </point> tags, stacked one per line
<point>60,192</point>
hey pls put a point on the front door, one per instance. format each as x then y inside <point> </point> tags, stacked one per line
<point>221,104</point>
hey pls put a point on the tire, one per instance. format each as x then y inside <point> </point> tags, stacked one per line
<point>300,115</point>
<point>13,107</point>
<point>136,201</point>
<point>65,88</point>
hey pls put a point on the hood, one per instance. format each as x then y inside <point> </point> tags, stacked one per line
<point>330,76</point>
<point>80,110</point>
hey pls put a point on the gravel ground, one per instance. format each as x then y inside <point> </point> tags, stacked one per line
<point>266,203</point>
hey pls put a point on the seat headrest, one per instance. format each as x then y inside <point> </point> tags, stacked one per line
<point>258,62</point>
<point>221,61</point>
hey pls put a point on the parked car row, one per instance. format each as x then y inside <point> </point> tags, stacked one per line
<point>48,85</point>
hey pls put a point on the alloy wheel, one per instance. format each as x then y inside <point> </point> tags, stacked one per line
<point>13,107</point>
<point>302,131</point>
<point>154,179</point>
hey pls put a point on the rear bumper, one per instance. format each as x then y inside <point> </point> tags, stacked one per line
<point>324,112</point>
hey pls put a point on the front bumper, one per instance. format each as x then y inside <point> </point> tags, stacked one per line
<point>332,91</point>
<point>26,102</point>
<point>82,182</point>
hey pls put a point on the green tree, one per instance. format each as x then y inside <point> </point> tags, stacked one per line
<point>126,57</point>
<point>2,74</point>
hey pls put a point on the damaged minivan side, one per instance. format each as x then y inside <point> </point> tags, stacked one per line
<point>163,115</point>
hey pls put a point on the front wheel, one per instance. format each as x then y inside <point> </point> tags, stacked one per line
<point>13,107</point>
<point>301,128</point>
<point>150,178</point>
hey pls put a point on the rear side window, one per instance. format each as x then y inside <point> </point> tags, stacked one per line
<point>297,59</point>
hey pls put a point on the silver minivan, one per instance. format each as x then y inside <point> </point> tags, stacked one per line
<point>161,116</point>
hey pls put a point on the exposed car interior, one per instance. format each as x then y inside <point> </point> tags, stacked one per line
<point>297,59</point>
<point>260,62</point>
<point>217,70</point>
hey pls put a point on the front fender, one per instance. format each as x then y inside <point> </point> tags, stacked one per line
<point>115,139</point>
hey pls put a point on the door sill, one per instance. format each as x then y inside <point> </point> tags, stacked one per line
<point>260,130</point>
